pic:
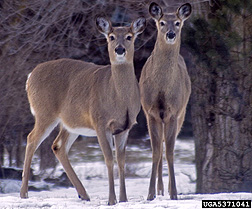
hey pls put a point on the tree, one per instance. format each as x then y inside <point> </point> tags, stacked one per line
<point>221,99</point>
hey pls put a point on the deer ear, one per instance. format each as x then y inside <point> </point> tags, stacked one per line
<point>103,25</point>
<point>155,11</point>
<point>138,25</point>
<point>184,11</point>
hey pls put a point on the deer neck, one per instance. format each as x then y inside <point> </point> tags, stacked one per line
<point>123,78</point>
<point>168,55</point>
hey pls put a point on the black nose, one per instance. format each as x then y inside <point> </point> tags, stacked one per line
<point>170,35</point>
<point>119,50</point>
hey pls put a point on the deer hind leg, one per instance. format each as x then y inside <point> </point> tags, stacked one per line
<point>170,133</point>
<point>160,184</point>
<point>61,147</point>
<point>120,143</point>
<point>41,130</point>
<point>156,133</point>
<point>105,139</point>
<point>181,121</point>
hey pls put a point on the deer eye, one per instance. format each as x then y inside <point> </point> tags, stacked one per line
<point>177,24</point>
<point>112,38</point>
<point>162,23</point>
<point>129,38</point>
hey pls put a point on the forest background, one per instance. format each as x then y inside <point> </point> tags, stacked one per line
<point>216,45</point>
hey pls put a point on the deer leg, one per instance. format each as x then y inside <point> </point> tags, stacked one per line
<point>39,133</point>
<point>120,143</point>
<point>105,139</point>
<point>160,184</point>
<point>60,147</point>
<point>170,133</point>
<point>181,121</point>
<point>155,130</point>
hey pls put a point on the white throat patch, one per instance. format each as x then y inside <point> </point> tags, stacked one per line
<point>120,58</point>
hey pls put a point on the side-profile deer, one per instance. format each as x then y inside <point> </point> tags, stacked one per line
<point>87,99</point>
<point>165,88</point>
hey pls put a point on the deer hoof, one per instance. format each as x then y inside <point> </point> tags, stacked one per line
<point>174,197</point>
<point>84,198</point>
<point>112,202</point>
<point>24,195</point>
<point>151,197</point>
<point>160,192</point>
<point>123,200</point>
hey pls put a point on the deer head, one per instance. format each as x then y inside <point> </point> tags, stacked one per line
<point>169,24</point>
<point>120,39</point>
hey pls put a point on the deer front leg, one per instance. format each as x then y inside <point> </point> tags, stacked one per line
<point>60,147</point>
<point>160,184</point>
<point>170,132</point>
<point>105,139</point>
<point>155,130</point>
<point>120,143</point>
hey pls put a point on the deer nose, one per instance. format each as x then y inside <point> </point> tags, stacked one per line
<point>120,50</point>
<point>170,35</point>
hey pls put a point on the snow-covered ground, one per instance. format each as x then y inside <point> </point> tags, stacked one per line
<point>98,191</point>
<point>89,166</point>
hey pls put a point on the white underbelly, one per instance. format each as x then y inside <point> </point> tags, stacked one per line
<point>81,131</point>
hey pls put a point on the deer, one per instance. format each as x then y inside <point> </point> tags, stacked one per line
<point>165,88</point>
<point>87,99</point>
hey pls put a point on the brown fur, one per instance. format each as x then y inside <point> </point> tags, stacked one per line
<point>165,88</point>
<point>82,95</point>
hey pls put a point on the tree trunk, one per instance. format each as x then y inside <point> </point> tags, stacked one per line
<point>221,100</point>
<point>1,154</point>
<point>18,149</point>
<point>222,123</point>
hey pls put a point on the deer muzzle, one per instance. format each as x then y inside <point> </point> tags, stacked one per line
<point>170,37</point>
<point>120,50</point>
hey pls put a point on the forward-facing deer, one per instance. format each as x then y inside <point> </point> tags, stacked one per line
<point>165,88</point>
<point>87,99</point>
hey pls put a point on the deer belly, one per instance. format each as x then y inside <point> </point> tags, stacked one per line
<point>81,131</point>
